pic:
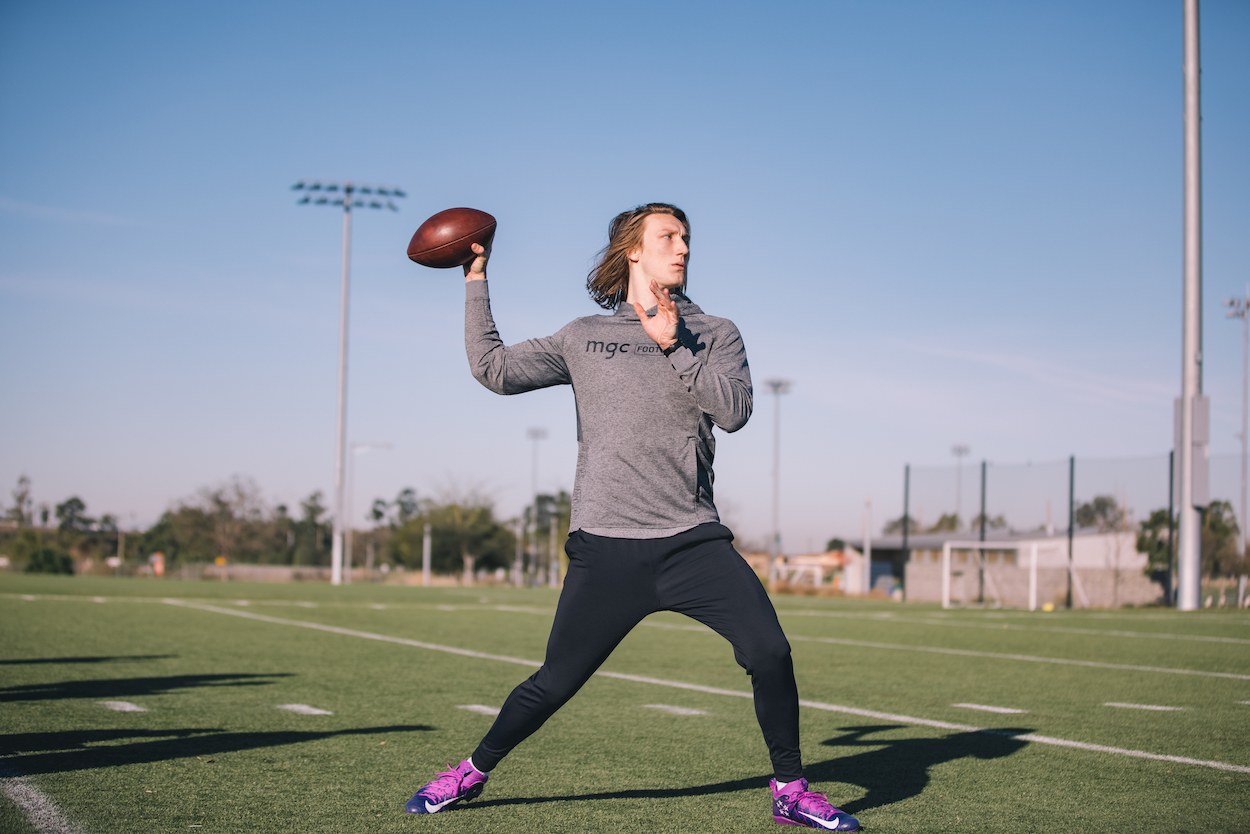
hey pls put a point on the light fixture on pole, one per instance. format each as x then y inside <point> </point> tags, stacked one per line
<point>535,434</point>
<point>348,195</point>
<point>777,387</point>
<point>351,502</point>
<point>960,451</point>
<point>1240,309</point>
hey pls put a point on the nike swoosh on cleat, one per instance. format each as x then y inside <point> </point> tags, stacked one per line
<point>438,806</point>
<point>829,824</point>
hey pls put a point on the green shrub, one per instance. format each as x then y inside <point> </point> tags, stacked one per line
<point>50,560</point>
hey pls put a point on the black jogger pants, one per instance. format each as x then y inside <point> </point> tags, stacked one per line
<point>611,585</point>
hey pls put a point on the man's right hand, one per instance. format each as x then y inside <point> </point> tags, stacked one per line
<point>475,270</point>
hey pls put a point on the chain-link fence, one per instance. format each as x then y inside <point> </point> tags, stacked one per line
<point>1025,497</point>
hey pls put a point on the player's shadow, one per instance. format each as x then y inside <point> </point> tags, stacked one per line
<point>56,660</point>
<point>74,750</point>
<point>897,770</point>
<point>107,688</point>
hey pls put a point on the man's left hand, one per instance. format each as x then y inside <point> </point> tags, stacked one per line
<point>662,327</point>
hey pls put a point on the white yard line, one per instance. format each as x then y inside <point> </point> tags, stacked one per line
<point>883,716</point>
<point>304,709</point>
<point>872,644</point>
<point>1143,706</point>
<point>121,706</point>
<point>42,813</point>
<point>480,709</point>
<point>999,710</point>
<point>675,710</point>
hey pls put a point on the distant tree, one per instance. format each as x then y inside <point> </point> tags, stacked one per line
<point>464,536</point>
<point>22,511</point>
<point>837,544</point>
<point>71,516</point>
<point>49,560</point>
<point>994,522</point>
<point>946,523</point>
<point>310,531</point>
<point>183,534</point>
<point>1152,540</point>
<point>1104,513</point>
<point>406,506</point>
<point>235,511</point>
<point>1219,542</point>
<point>894,527</point>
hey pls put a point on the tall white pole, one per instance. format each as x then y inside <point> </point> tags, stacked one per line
<point>778,387</point>
<point>340,441</point>
<point>553,570</point>
<point>776,537</point>
<point>1245,408</point>
<point>867,579</point>
<point>353,450</point>
<point>518,577</point>
<point>425,557</point>
<point>1189,555</point>
<point>348,512</point>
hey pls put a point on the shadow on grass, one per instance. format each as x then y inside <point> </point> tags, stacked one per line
<point>74,750</point>
<point>129,687</point>
<point>897,770</point>
<point>54,660</point>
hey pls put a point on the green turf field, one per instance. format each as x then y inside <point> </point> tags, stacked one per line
<point>883,734</point>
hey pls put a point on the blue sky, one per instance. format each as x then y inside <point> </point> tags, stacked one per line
<point>955,222</point>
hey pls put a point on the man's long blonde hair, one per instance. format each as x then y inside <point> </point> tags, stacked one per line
<point>608,281</point>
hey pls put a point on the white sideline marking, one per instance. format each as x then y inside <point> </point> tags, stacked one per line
<point>871,644</point>
<point>1142,706</point>
<point>42,813</point>
<point>304,709</point>
<point>121,706</point>
<point>480,709</point>
<point>711,690</point>
<point>675,710</point>
<point>1000,710</point>
<point>1096,632</point>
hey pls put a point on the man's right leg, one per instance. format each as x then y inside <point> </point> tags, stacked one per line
<point>609,589</point>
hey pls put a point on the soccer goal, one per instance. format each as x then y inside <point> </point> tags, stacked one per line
<point>977,550</point>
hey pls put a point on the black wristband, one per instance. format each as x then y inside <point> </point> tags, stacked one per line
<point>668,351</point>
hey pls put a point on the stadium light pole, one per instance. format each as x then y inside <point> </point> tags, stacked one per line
<point>960,451</point>
<point>777,387</point>
<point>348,195</point>
<point>1238,310</point>
<point>1191,432</point>
<point>351,501</point>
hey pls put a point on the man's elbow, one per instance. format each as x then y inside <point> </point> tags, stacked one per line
<point>735,420</point>
<point>491,379</point>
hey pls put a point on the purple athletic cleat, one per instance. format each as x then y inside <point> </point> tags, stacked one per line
<point>796,805</point>
<point>461,782</point>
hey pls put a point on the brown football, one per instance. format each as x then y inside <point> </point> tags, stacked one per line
<point>447,238</point>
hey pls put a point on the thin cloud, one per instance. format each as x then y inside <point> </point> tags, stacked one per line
<point>60,215</point>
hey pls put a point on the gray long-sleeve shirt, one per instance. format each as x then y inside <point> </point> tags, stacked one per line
<point>644,420</point>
